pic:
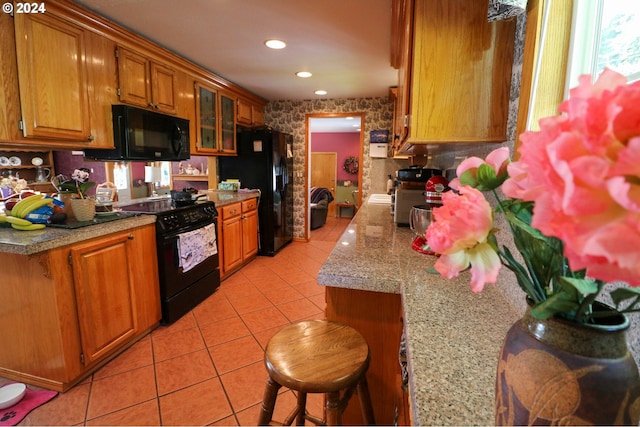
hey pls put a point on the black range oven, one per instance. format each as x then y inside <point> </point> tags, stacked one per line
<point>188,259</point>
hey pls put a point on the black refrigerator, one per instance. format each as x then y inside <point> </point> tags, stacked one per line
<point>265,162</point>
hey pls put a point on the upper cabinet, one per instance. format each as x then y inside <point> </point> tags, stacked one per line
<point>61,71</point>
<point>454,73</point>
<point>249,113</point>
<point>146,83</point>
<point>227,122</point>
<point>52,78</point>
<point>215,121</point>
<point>206,138</point>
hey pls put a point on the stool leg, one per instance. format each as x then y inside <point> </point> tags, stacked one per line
<point>365,401</point>
<point>302,408</point>
<point>332,410</point>
<point>268,402</point>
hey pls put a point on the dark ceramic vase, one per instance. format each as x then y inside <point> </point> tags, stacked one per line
<point>557,372</point>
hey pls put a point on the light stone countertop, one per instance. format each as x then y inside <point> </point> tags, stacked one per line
<point>453,335</point>
<point>221,198</point>
<point>32,242</point>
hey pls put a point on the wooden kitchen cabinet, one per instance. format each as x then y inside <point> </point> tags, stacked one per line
<point>52,78</point>
<point>215,121</point>
<point>238,235</point>
<point>54,125</point>
<point>146,83</point>
<point>454,75</point>
<point>231,236</point>
<point>227,102</point>
<point>378,317</point>
<point>249,113</point>
<point>249,228</point>
<point>69,310</point>
<point>207,135</point>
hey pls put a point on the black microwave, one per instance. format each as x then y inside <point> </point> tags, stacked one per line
<point>145,135</point>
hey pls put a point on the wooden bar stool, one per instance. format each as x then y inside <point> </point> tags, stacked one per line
<point>317,356</point>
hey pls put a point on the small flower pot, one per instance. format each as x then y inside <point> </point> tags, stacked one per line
<point>83,209</point>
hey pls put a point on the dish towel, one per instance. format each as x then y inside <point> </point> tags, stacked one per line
<point>505,9</point>
<point>196,246</point>
<point>31,400</point>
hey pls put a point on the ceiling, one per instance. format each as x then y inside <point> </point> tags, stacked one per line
<point>344,43</point>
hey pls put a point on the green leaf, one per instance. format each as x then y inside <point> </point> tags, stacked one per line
<point>487,178</point>
<point>622,294</point>
<point>486,175</point>
<point>556,304</point>
<point>583,287</point>
<point>432,270</point>
<point>467,178</point>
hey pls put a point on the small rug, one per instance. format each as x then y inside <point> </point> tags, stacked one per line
<point>31,400</point>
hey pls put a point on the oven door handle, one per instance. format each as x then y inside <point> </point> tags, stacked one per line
<point>174,235</point>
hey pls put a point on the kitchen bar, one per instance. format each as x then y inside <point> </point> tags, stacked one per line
<point>453,336</point>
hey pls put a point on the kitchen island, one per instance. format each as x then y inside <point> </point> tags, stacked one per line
<point>453,336</point>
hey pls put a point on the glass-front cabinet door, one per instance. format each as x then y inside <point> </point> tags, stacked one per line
<point>206,119</point>
<point>228,123</point>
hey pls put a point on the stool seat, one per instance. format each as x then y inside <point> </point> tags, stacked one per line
<point>317,356</point>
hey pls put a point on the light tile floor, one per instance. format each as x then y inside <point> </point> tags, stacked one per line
<point>207,368</point>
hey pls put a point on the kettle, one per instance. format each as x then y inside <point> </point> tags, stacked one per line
<point>42,174</point>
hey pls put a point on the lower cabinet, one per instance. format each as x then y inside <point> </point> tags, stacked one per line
<point>382,329</point>
<point>67,311</point>
<point>238,236</point>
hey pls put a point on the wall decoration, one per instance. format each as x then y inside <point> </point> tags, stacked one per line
<point>379,135</point>
<point>351,165</point>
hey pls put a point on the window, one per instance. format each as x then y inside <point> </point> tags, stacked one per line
<point>605,33</point>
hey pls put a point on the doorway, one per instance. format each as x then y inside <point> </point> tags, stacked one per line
<point>323,167</point>
<point>345,187</point>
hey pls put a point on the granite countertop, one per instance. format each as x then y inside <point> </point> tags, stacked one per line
<point>221,198</point>
<point>31,242</point>
<point>453,335</point>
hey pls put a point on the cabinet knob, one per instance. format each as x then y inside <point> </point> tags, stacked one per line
<point>130,237</point>
<point>90,138</point>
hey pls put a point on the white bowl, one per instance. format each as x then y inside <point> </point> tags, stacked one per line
<point>11,394</point>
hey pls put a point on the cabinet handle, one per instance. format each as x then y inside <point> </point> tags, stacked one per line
<point>150,105</point>
<point>90,138</point>
<point>130,237</point>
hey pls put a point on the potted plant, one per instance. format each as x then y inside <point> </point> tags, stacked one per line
<point>82,206</point>
<point>573,208</point>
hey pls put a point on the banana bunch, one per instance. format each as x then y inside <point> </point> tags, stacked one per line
<point>22,209</point>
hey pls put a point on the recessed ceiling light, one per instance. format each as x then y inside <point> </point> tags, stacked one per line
<point>303,74</point>
<point>275,44</point>
<point>320,92</point>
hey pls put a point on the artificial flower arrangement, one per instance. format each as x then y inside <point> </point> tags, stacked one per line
<point>572,206</point>
<point>79,183</point>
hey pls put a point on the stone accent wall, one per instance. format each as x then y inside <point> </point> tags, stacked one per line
<point>289,117</point>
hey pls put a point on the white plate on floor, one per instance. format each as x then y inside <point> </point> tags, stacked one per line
<point>12,394</point>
